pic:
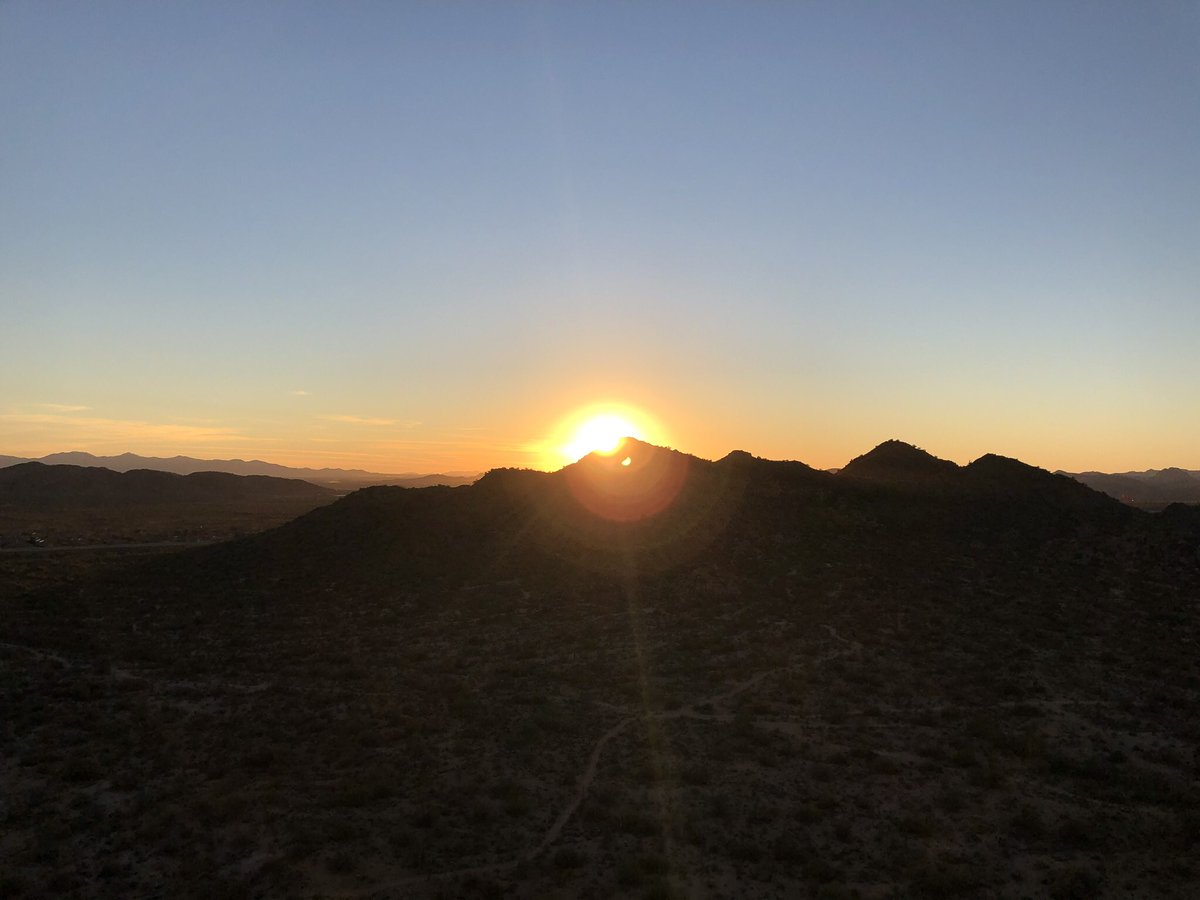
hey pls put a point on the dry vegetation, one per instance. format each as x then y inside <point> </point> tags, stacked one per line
<point>836,719</point>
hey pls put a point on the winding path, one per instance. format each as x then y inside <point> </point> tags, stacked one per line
<point>588,776</point>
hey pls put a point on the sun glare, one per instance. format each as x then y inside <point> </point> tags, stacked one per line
<point>600,434</point>
<point>600,430</point>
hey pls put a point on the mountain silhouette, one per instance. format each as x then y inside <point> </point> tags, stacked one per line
<point>895,462</point>
<point>1176,482</point>
<point>645,509</point>
<point>186,465</point>
<point>1155,487</point>
<point>63,485</point>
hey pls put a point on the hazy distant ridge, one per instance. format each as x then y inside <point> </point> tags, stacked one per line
<point>1154,486</point>
<point>893,460</point>
<point>55,485</point>
<point>187,465</point>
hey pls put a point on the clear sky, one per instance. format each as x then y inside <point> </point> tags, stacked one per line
<point>418,237</point>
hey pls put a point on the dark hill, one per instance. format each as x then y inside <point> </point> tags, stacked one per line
<point>77,505</point>
<point>1004,475</point>
<point>895,462</point>
<point>789,472</point>
<point>65,485</point>
<point>647,509</point>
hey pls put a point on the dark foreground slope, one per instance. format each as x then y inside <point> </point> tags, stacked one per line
<point>672,677</point>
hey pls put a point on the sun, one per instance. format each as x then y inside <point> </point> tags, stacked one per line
<point>599,429</point>
<point>600,434</point>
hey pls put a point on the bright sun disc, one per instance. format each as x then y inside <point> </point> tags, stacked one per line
<point>600,434</point>
<point>599,429</point>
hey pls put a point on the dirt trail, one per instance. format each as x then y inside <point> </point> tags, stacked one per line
<point>593,761</point>
<point>689,711</point>
<point>585,782</point>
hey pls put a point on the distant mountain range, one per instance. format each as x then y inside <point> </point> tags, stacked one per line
<point>61,505</point>
<point>894,460</point>
<point>339,479</point>
<point>49,486</point>
<point>1154,487</point>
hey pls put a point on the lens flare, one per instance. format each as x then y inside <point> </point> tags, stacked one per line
<point>632,483</point>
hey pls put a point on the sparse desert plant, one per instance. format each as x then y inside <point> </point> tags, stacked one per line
<point>719,806</point>
<point>1074,831</point>
<point>1188,827</point>
<point>1028,823</point>
<point>629,873</point>
<point>636,823</point>
<point>832,890</point>
<point>1076,881</point>
<point>568,858</point>
<point>695,774</point>
<point>944,879</point>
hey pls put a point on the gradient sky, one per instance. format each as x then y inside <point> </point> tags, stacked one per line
<point>417,237</point>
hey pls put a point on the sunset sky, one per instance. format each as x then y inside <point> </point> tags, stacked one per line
<point>428,236</point>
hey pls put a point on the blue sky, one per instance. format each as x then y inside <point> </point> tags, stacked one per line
<point>417,236</point>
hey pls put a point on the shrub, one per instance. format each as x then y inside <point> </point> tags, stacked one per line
<point>940,880</point>
<point>1075,882</point>
<point>568,858</point>
<point>1028,823</point>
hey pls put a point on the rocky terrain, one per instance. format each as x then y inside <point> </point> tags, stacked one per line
<point>647,675</point>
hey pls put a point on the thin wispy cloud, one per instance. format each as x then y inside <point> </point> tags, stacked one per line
<point>62,407</point>
<point>369,420</point>
<point>299,393</point>
<point>360,420</point>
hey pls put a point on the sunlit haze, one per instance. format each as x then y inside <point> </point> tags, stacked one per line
<point>448,237</point>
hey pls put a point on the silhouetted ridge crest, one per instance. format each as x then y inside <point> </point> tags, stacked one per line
<point>633,449</point>
<point>664,510</point>
<point>992,465</point>
<point>738,457</point>
<point>758,475</point>
<point>896,461</point>
<point>508,476</point>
